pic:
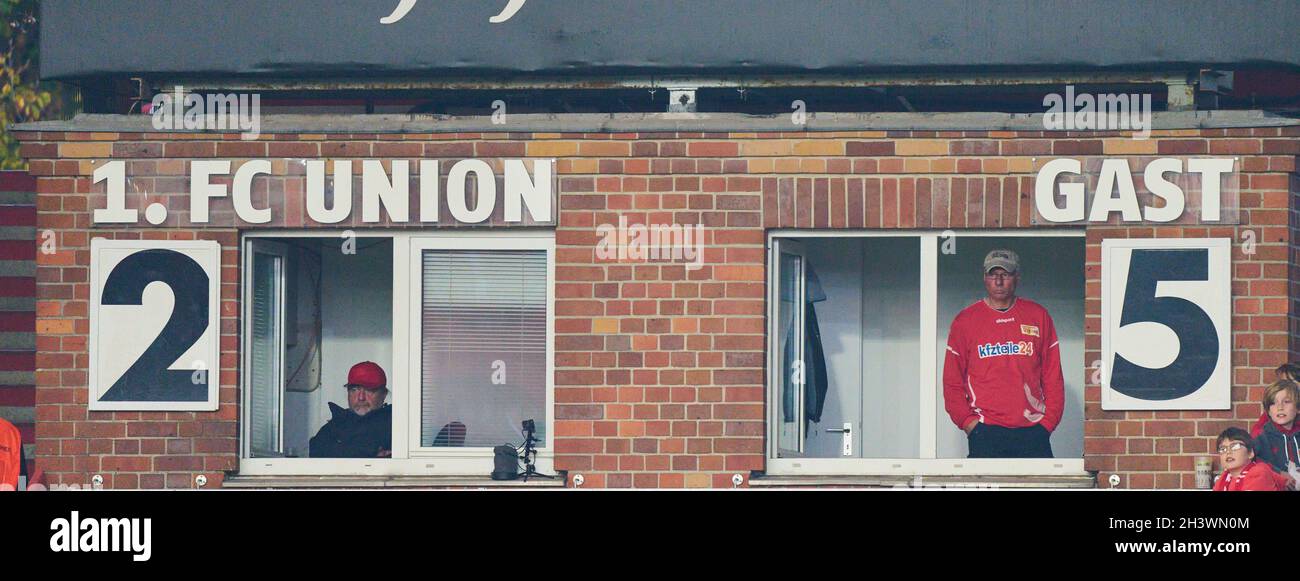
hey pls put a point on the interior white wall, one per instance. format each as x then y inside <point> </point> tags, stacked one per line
<point>1052,275</point>
<point>891,347</point>
<point>357,325</point>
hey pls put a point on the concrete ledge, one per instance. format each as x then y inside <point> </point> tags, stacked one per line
<point>25,268</point>
<point>405,482</point>
<point>659,122</point>
<point>23,378</point>
<point>17,198</point>
<point>21,304</point>
<point>18,414</point>
<point>1082,481</point>
<point>22,233</point>
<point>17,342</point>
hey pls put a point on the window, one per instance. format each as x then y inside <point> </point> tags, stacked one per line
<point>858,327</point>
<point>460,323</point>
<point>483,359</point>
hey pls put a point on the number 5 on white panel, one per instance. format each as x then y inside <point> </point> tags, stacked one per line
<point>1166,314</point>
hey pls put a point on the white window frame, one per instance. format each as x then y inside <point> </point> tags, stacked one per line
<point>407,458</point>
<point>928,464</point>
<point>476,460</point>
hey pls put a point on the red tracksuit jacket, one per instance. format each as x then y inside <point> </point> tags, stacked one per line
<point>1255,476</point>
<point>1004,367</point>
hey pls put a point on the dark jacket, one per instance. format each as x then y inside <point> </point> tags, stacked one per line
<point>1276,446</point>
<point>816,379</point>
<point>348,435</point>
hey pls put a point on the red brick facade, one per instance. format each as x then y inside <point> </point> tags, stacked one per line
<point>659,370</point>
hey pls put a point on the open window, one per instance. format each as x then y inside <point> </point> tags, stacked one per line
<point>857,333</point>
<point>460,323</point>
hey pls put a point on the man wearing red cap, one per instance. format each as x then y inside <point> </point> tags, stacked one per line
<point>365,429</point>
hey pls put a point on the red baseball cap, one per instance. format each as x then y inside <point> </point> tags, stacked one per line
<point>367,374</point>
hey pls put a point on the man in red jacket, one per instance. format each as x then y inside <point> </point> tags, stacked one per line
<point>1002,379</point>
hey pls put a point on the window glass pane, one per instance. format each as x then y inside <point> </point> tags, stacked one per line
<point>1052,275</point>
<point>264,368</point>
<point>483,346</point>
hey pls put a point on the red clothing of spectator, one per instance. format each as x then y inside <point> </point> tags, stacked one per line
<point>1254,476</point>
<point>1004,367</point>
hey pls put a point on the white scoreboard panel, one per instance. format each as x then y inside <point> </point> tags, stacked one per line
<point>154,330</point>
<point>1166,324</point>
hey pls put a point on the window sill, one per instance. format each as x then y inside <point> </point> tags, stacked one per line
<point>405,482</point>
<point>888,481</point>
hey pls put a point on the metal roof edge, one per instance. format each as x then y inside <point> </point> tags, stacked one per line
<point>657,122</point>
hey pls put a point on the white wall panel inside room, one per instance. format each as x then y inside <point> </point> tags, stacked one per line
<point>891,354</point>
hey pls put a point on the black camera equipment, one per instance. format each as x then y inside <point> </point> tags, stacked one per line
<point>507,457</point>
<point>529,454</point>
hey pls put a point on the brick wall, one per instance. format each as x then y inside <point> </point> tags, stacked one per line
<point>1295,268</point>
<point>660,370</point>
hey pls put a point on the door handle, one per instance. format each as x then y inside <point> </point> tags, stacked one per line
<point>846,436</point>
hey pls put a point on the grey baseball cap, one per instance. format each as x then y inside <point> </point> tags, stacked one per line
<point>1002,258</point>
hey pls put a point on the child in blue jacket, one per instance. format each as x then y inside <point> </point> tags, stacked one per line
<point>1277,437</point>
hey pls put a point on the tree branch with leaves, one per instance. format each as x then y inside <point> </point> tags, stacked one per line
<point>22,96</point>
